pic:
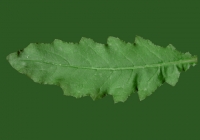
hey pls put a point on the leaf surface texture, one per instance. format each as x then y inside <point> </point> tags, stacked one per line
<point>92,69</point>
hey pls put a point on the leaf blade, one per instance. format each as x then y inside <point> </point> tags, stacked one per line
<point>93,69</point>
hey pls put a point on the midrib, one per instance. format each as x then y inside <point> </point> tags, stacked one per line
<point>193,60</point>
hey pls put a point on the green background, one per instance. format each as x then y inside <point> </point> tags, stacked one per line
<point>31,111</point>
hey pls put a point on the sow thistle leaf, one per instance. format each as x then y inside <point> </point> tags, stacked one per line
<point>93,69</point>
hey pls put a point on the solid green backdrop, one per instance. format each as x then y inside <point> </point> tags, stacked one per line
<point>32,111</point>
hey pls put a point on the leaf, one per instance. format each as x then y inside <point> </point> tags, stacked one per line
<point>94,69</point>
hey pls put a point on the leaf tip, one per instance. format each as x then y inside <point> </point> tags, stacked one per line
<point>170,46</point>
<point>139,39</point>
<point>110,38</point>
<point>141,96</point>
<point>86,40</point>
<point>57,41</point>
<point>195,60</point>
<point>7,57</point>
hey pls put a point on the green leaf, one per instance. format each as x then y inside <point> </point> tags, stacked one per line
<point>93,69</point>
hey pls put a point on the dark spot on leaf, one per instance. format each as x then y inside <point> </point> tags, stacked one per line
<point>106,44</point>
<point>103,95</point>
<point>161,76</point>
<point>19,52</point>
